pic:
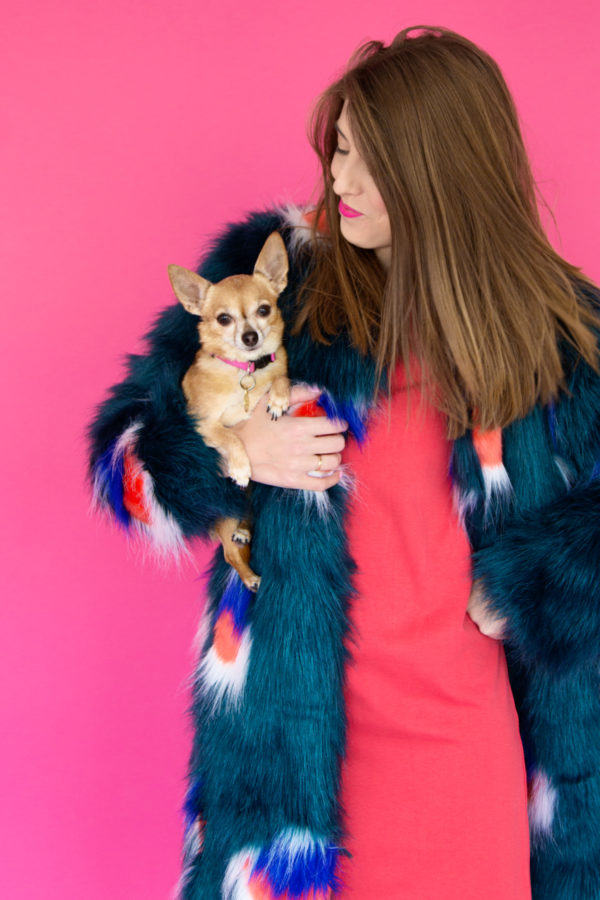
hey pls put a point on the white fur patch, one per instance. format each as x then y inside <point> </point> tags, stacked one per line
<point>225,681</point>
<point>317,501</point>
<point>542,805</point>
<point>565,471</point>
<point>348,479</point>
<point>237,875</point>
<point>127,440</point>
<point>496,481</point>
<point>98,503</point>
<point>194,840</point>
<point>163,534</point>
<point>202,632</point>
<point>192,847</point>
<point>295,842</point>
<point>300,230</point>
<point>463,503</point>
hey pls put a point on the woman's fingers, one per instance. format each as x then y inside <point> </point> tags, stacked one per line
<point>323,425</point>
<point>325,462</point>
<point>480,612</point>
<point>284,451</point>
<point>325,444</point>
<point>321,482</point>
<point>303,444</point>
<point>303,393</point>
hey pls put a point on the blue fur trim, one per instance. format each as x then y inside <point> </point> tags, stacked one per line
<point>236,598</point>
<point>295,875</point>
<point>595,471</point>
<point>108,475</point>
<point>192,803</point>
<point>346,410</point>
<point>552,425</point>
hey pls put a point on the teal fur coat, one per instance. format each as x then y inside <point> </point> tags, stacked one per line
<point>262,814</point>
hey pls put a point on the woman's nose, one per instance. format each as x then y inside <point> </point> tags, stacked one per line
<point>343,178</point>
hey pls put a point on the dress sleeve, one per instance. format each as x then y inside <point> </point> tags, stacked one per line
<point>149,468</point>
<point>542,572</point>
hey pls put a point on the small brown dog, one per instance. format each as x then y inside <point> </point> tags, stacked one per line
<point>241,357</point>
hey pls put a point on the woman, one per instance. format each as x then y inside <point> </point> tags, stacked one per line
<point>358,736</point>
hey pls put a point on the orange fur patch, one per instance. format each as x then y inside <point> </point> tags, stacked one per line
<point>225,640</point>
<point>310,215</point>
<point>488,446</point>
<point>134,498</point>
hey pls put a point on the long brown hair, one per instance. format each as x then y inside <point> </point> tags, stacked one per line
<point>474,292</point>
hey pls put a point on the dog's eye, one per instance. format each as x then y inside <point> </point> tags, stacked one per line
<point>264,309</point>
<point>223,319</point>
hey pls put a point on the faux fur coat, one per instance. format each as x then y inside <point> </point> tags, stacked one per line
<point>262,813</point>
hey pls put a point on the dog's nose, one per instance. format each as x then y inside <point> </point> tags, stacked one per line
<point>250,338</point>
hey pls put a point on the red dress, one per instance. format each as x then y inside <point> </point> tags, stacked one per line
<point>433,784</point>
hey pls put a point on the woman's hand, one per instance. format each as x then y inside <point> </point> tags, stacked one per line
<point>480,612</point>
<point>284,451</point>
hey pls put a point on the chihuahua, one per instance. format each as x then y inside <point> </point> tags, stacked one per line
<point>241,357</point>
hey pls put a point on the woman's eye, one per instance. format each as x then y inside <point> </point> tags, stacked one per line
<point>223,319</point>
<point>264,309</point>
<point>341,152</point>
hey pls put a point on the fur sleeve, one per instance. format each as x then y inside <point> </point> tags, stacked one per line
<point>542,572</point>
<point>149,468</point>
<point>543,575</point>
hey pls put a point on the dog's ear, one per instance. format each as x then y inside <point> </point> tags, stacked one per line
<point>272,262</point>
<point>190,289</point>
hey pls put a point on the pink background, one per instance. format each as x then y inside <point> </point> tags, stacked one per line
<point>132,130</point>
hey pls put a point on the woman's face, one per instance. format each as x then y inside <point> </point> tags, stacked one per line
<point>364,221</point>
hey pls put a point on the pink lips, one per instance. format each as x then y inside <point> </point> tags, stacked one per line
<point>347,210</point>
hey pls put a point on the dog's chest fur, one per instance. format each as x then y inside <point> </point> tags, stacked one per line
<point>213,391</point>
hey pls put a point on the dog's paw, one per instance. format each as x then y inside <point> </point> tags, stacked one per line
<point>252,583</point>
<point>241,535</point>
<point>240,473</point>
<point>277,406</point>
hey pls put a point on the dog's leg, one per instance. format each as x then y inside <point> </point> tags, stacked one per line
<point>231,449</point>
<point>279,396</point>
<point>235,539</point>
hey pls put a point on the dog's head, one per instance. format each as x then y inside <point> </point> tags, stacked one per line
<point>239,317</point>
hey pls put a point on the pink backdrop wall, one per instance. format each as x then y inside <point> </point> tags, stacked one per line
<point>132,130</point>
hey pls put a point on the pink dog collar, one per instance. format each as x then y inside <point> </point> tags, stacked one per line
<point>251,365</point>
